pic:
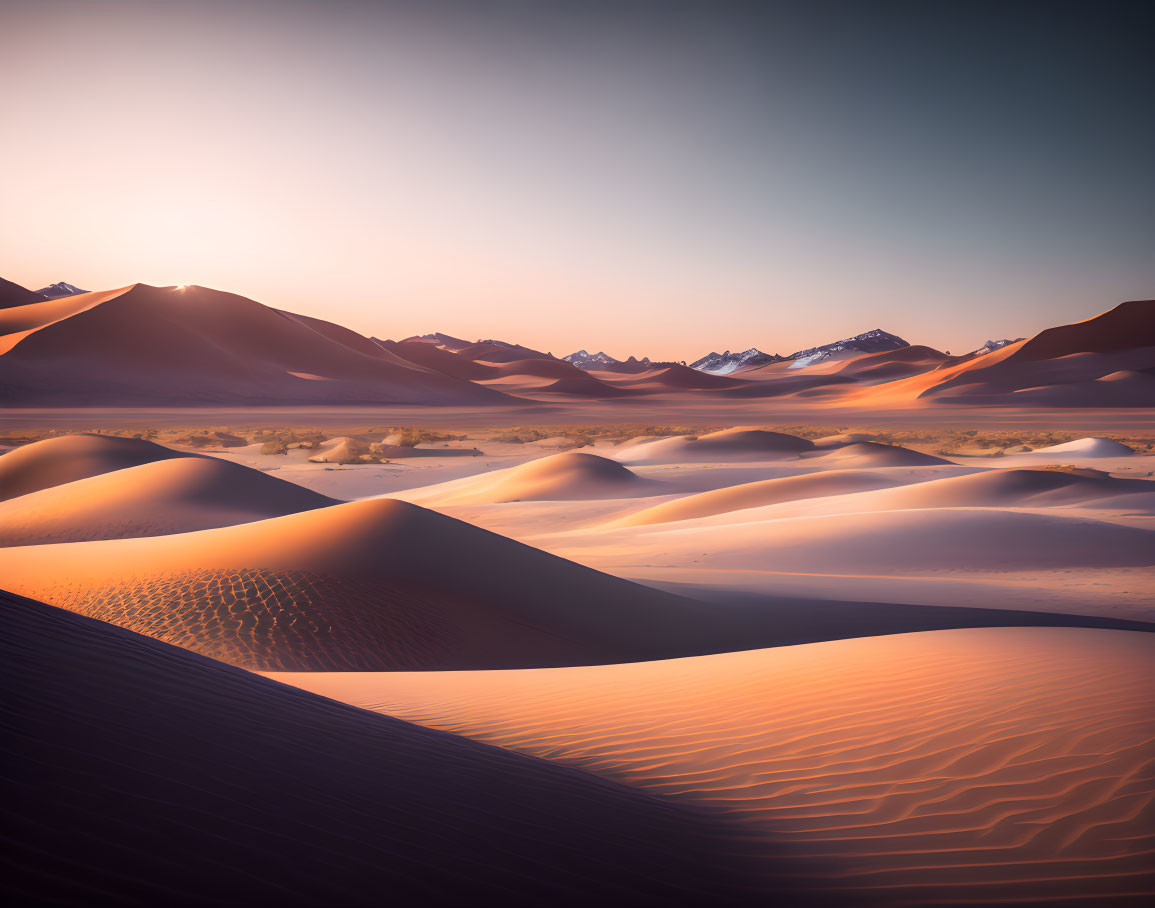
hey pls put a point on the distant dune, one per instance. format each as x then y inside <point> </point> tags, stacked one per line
<point>558,477</point>
<point>990,766</point>
<point>1053,368</point>
<point>740,443</point>
<point>879,542</point>
<point>175,495</point>
<point>152,345</point>
<point>67,458</point>
<point>148,775</point>
<point>765,492</point>
<point>867,454</point>
<point>1087,447</point>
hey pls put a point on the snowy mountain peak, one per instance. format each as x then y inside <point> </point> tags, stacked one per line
<point>583,359</point>
<point>992,345</point>
<point>725,363</point>
<point>876,341</point>
<point>59,291</point>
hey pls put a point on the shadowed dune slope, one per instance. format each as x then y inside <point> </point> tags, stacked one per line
<point>993,766</point>
<point>739,443</point>
<point>175,495</point>
<point>148,345</point>
<point>12,294</point>
<point>67,458</point>
<point>430,356</point>
<point>560,477</point>
<point>766,492</point>
<point>140,774</point>
<point>866,454</point>
<point>372,585</point>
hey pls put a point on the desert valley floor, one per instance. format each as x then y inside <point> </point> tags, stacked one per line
<point>742,665</point>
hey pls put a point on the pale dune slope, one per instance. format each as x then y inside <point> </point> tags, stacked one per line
<point>766,492</point>
<point>867,454</point>
<point>1087,447</point>
<point>374,585</point>
<point>991,766</point>
<point>66,458</point>
<point>560,477</point>
<point>1011,488</point>
<point>877,542</point>
<point>147,775</point>
<point>176,495</point>
<point>739,443</point>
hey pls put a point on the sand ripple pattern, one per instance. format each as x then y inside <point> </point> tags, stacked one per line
<point>266,620</point>
<point>1000,766</point>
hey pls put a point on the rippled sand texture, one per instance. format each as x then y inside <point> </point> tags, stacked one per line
<point>992,766</point>
<point>137,773</point>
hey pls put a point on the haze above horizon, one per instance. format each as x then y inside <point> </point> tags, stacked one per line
<point>644,179</point>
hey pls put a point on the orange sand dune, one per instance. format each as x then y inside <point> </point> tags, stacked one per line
<point>866,454</point>
<point>167,496</point>
<point>991,766</point>
<point>559,477</point>
<point>767,492</point>
<point>147,775</point>
<point>374,585</point>
<point>1054,368</point>
<point>67,458</point>
<point>739,443</point>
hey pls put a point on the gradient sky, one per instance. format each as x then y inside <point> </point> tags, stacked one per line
<point>655,179</point>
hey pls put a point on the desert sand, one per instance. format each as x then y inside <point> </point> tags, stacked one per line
<point>146,774</point>
<point>849,665</point>
<point>975,766</point>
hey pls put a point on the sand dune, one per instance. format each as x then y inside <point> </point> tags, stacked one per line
<point>373,585</point>
<point>67,458</point>
<point>739,443</point>
<point>675,376</point>
<point>175,495</point>
<point>987,766</point>
<point>148,345</point>
<point>12,295</point>
<point>867,454</point>
<point>842,440</point>
<point>1010,488</point>
<point>873,543</point>
<point>1050,369</point>
<point>148,775</point>
<point>566,476</point>
<point>431,356</point>
<point>1087,447</point>
<point>766,492</point>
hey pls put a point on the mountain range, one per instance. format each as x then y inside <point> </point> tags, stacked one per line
<point>142,345</point>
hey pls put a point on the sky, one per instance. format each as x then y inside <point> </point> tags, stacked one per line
<point>649,179</point>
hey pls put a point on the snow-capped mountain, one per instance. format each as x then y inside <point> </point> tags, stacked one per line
<point>585,360</point>
<point>59,291</point>
<point>876,341</point>
<point>725,363</point>
<point>992,345</point>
